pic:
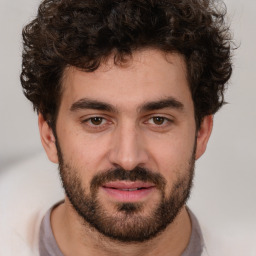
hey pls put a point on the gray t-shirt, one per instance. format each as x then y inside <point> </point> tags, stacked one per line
<point>49,247</point>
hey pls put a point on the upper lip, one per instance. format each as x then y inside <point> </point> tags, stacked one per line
<point>128,184</point>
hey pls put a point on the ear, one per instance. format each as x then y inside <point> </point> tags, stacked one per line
<point>47,139</point>
<point>203,135</point>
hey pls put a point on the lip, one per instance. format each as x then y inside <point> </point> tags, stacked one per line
<point>126,191</point>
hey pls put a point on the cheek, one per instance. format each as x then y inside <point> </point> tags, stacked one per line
<point>86,152</point>
<point>171,156</point>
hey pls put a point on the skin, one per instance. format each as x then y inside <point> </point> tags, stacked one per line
<point>129,136</point>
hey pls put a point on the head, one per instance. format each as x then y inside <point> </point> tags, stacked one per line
<point>125,92</point>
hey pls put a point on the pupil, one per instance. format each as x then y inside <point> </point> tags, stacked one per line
<point>96,120</point>
<point>158,120</point>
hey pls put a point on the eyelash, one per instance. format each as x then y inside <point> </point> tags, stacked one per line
<point>104,121</point>
<point>88,121</point>
<point>164,119</point>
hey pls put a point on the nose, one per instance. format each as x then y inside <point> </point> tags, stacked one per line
<point>128,148</point>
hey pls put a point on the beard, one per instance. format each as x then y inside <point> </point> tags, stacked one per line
<point>128,223</point>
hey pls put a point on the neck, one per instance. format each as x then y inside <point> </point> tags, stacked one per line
<point>76,238</point>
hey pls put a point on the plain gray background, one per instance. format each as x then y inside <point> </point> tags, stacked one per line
<point>225,176</point>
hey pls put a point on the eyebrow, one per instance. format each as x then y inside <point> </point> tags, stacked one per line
<point>92,104</point>
<point>169,102</point>
<point>86,103</point>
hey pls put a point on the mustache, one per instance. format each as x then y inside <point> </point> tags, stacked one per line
<point>136,174</point>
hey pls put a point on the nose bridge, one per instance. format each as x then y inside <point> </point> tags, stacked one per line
<point>127,149</point>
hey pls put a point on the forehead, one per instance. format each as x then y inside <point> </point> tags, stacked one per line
<point>148,75</point>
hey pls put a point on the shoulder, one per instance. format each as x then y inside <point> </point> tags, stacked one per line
<point>27,191</point>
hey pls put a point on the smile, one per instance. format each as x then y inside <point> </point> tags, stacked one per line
<point>123,191</point>
<point>130,189</point>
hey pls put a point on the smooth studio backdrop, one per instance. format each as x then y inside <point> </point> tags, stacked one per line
<point>225,184</point>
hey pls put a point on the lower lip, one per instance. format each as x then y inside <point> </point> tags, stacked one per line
<point>128,196</point>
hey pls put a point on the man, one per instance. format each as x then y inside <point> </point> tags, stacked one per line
<point>125,92</point>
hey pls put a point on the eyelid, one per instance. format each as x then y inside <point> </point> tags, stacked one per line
<point>164,116</point>
<point>167,123</point>
<point>87,117</point>
<point>88,125</point>
<point>90,118</point>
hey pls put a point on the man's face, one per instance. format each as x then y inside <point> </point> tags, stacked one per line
<point>126,140</point>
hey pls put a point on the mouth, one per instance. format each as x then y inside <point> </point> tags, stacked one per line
<point>126,191</point>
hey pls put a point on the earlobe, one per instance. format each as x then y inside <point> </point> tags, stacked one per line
<point>47,139</point>
<point>203,135</point>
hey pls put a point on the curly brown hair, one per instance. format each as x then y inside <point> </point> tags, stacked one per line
<point>84,33</point>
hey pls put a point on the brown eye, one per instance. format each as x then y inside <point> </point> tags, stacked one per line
<point>96,120</point>
<point>158,120</point>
